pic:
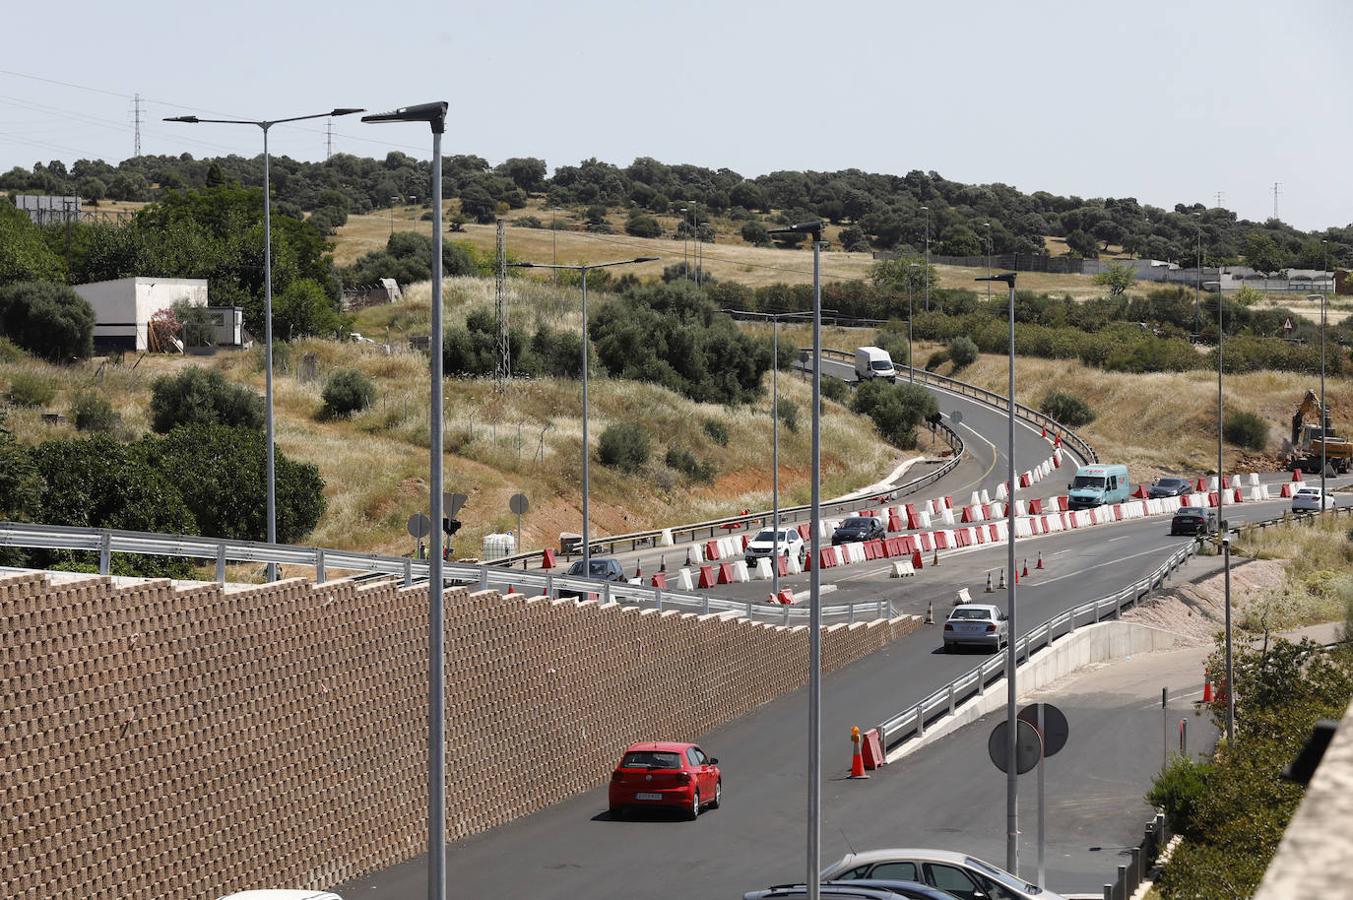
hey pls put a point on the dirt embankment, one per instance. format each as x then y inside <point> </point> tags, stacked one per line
<point>1197,611</point>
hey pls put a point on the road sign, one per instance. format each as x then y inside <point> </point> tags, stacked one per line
<point>419,526</point>
<point>453,503</point>
<point>1027,750</point>
<point>1055,728</point>
<point>1287,325</point>
<point>956,417</point>
<point>518,504</point>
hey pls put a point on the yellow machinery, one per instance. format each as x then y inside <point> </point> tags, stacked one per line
<point>1307,438</point>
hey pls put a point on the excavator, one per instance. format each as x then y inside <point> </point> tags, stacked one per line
<point>1307,438</point>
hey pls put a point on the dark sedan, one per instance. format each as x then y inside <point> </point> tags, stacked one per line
<point>1169,487</point>
<point>1193,520</point>
<point>602,568</point>
<point>859,528</point>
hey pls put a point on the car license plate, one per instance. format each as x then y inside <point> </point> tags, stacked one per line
<point>648,796</point>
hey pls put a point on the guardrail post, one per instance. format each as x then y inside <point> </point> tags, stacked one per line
<point>220,562</point>
<point>105,553</point>
<point>951,697</point>
<point>549,586</point>
<point>657,595</point>
<point>408,572</point>
<point>606,593</point>
<point>920,721</point>
<point>1108,892</point>
<point>706,610</point>
<point>1122,883</point>
<point>319,566</point>
<point>850,613</point>
<point>1136,869</point>
<point>749,606</point>
<point>1071,629</point>
<point>483,578</point>
<point>785,613</point>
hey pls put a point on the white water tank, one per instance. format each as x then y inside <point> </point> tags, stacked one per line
<point>496,546</point>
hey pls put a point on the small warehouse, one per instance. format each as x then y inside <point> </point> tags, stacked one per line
<point>123,310</point>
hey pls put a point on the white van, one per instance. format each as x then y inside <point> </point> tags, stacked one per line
<point>872,362</point>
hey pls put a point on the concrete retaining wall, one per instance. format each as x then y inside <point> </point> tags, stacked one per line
<point>190,741</point>
<point>1088,645</point>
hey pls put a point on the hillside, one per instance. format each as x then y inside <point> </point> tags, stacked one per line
<point>375,465</point>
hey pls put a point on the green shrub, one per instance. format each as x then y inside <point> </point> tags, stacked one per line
<point>1245,429</point>
<point>48,320</point>
<point>788,413</point>
<point>717,431</point>
<point>643,226</point>
<point>347,391</point>
<point>936,359</point>
<point>1178,791</point>
<point>198,396</point>
<point>896,410</point>
<point>624,446</point>
<point>29,389</point>
<point>92,412</point>
<point>686,462</point>
<point>1068,409</point>
<point>895,344</point>
<point>834,388</point>
<point>962,352</point>
<point>10,352</point>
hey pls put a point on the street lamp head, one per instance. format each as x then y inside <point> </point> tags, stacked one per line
<point>644,259</point>
<point>346,111</point>
<point>190,120</point>
<point>521,265</point>
<point>1007,277</point>
<point>813,228</point>
<point>432,113</point>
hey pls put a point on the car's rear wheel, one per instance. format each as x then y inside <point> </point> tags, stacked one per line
<point>617,812</point>
<point>718,794</point>
<point>694,811</point>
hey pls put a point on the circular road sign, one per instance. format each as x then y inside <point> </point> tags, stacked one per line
<point>420,525</point>
<point>1055,729</point>
<point>518,504</point>
<point>1026,746</point>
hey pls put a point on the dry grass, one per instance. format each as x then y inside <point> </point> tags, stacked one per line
<point>1318,582</point>
<point>529,440</point>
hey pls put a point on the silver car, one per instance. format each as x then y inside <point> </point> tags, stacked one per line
<point>964,876</point>
<point>976,625</point>
<point>1307,499</point>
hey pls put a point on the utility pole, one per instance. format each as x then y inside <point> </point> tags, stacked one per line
<point>1275,200</point>
<point>136,132</point>
<point>1218,199</point>
<point>504,368</point>
<point>328,140</point>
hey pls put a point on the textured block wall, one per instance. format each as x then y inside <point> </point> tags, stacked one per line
<point>160,741</point>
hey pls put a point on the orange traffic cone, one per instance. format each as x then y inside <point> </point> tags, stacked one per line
<point>1025,573</point>
<point>856,758</point>
<point>688,557</point>
<point>1207,686</point>
<point>1296,475</point>
<point>935,560</point>
<point>1045,432</point>
<point>1040,560</point>
<point>638,572</point>
<point>663,566</point>
<point>988,590</point>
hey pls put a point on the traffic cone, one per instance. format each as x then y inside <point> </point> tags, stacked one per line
<point>688,557</point>
<point>1045,432</point>
<point>1296,475</point>
<point>638,572</point>
<point>935,559</point>
<point>1026,567</point>
<point>663,566</point>
<point>856,758</point>
<point>988,590</point>
<point>1001,586</point>
<point>1040,560</point>
<point>930,613</point>
<point>1017,576</point>
<point>1207,686</point>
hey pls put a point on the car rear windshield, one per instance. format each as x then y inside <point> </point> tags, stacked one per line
<point>857,523</point>
<point>1190,512</point>
<point>598,567</point>
<point>1171,482</point>
<point>970,614</point>
<point>1003,876</point>
<point>651,759</point>
<point>1087,481</point>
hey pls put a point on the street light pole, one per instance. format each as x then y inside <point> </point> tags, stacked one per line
<point>1012,631</point>
<point>269,430</point>
<point>814,837</point>
<point>1198,282</point>
<point>435,115</point>
<point>927,257</point>
<point>987,226</point>
<point>1324,435</point>
<point>911,360</point>
<point>1222,525</point>
<point>583,269</point>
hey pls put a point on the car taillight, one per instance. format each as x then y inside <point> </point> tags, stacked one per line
<point>616,776</point>
<point>948,626</point>
<point>683,778</point>
<point>991,629</point>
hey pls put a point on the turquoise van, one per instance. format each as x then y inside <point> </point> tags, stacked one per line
<point>1097,485</point>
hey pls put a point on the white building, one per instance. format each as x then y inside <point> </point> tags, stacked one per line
<point>123,309</point>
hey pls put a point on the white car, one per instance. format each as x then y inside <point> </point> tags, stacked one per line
<point>1307,499</point>
<point>764,544</point>
<point>961,875</point>
<point>976,625</point>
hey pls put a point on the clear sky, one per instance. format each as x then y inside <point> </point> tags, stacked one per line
<point>1163,101</point>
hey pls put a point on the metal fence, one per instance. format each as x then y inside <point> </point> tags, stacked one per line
<point>1075,442</point>
<point>105,542</point>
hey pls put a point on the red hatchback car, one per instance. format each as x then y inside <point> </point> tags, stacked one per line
<point>666,774</point>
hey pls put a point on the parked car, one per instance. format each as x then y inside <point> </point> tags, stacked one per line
<point>867,890</point>
<point>275,894</point>
<point>601,568</point>
<point>1307,499</point>
<point>976,624</point>
<point>859,528</point>
<point>764,544</point>
<point>965,877</point>
<point>1193,520</point>
<point>1169,487</point>
<point>666,774</point>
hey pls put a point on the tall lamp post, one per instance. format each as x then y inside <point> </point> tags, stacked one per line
<point>1222,524</point>
<point>911,360</point>
<point>435,115</point>
<point>584,269</point>
<point>1011,658</point>
<point>926,210</point>
<point>814,849</point>
<point>1198,282</point>
<point>265,125</point>
<point>988,279</point>
<point>1324,436</point>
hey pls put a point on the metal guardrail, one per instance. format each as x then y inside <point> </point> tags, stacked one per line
<point>106,542</point>
<point>694,532</point>
<point>1081,446</point>
<point>912,721</point>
